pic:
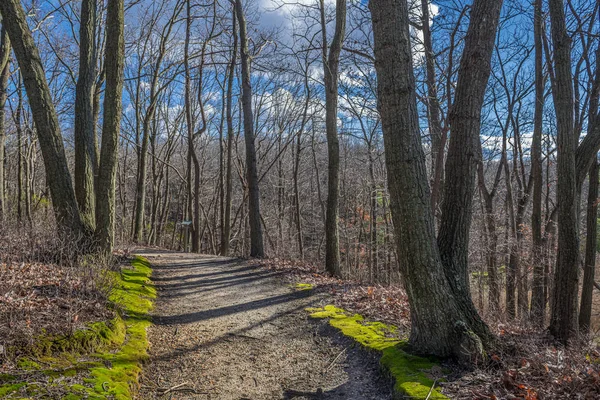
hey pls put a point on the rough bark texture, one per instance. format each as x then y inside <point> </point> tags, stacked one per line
<point>45,119</point>
<point>440,321</point>
<point>585,309</point>
<point>464,151</point>
<point>538,301</point>
<point>114,63</point>
<point>563,322</point>
<point>331,63</point>
<point>4,75</point>
<point>84,132</point>
<point>256,236</point>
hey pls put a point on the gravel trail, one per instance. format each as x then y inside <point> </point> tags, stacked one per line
<point>224,329</point>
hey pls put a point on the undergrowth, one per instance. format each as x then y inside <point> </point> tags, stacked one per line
<point>98,362</point>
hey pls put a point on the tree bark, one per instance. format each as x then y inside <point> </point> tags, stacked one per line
<point>226,238</point>
<point>256,236</point>
<point>330,76</point>
<point>464,151</point>
<point>46,121</point>
<point>585,309</point>
<point>440,319</point>
<point>433,111</point>
<point>84,130</point>
<point>538,301</point>
<point>4,75</point>
<point>563,323</point>
<point>114,64</point>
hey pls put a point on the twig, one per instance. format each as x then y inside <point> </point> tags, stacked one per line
<point>165,391</point>
<point>244,336</point>
<point>335,359</point>
<point>431,389</point>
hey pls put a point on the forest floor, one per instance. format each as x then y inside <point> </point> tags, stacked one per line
<point>224,328</point>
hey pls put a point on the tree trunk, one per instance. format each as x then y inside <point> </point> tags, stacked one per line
<point>4,75</point>
<point>538,301</point>
<point>111,123</point>
<point>256,236</point>
<point>330,76</point>
<point>585,310</point>
<point>226,238</point>
<point>440,320</point>
<point>563,324</point>
<point>46,121</point>
<point>84,130</point>
<point>464,151</point>
<point>433,111</point>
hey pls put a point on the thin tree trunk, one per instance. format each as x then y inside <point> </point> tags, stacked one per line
<point>330,75</point>
<point>226,238</point>
<point>433,111</point>
<point>20,159</point>
<point>538,301</point>
<point>4,75</point>
<point>585,310</point>
<point>256,236</point>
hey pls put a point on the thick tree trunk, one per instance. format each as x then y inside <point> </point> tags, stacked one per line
<point>114,62</point>
<point>440,320</point>
<point>256,236</point>
<point>4,75</point>
<point>538,301</point>
<point>46,121</point>
<point>563,323</point>
<point>464,151</point>
<point>330,76</point>
<point>84,131</point>
<point>585,309</point>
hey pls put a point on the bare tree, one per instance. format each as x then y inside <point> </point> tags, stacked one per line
<point>84,131</point>
<point>4,75</point>
<point>46,121</point>
<point>441,310</point>
<point>256,232</point>
<point>114,61</point>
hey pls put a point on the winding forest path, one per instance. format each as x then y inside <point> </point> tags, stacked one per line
<point>224,329</point>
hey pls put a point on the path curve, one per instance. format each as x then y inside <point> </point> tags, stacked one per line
<point>224,329</point>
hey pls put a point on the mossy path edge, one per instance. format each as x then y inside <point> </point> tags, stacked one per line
<point>108,353</point>
<point>409,372</point>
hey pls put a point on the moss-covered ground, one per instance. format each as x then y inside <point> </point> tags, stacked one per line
<point>99,362</point>
<point>410,373</point>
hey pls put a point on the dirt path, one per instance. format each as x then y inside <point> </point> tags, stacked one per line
<point>227,330</point>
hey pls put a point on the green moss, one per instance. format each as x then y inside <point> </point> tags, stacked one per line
<point>7,378</point>
<point>407,370</point>
<point>28,365</point>
<point>5,390</point>
<point>133,294</point>
<point>117,347</point>
<point>304,286</point>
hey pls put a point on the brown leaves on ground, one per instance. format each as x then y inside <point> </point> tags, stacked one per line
<point>387,304</point>
<point>526,363</point>
<point>42,297</point>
